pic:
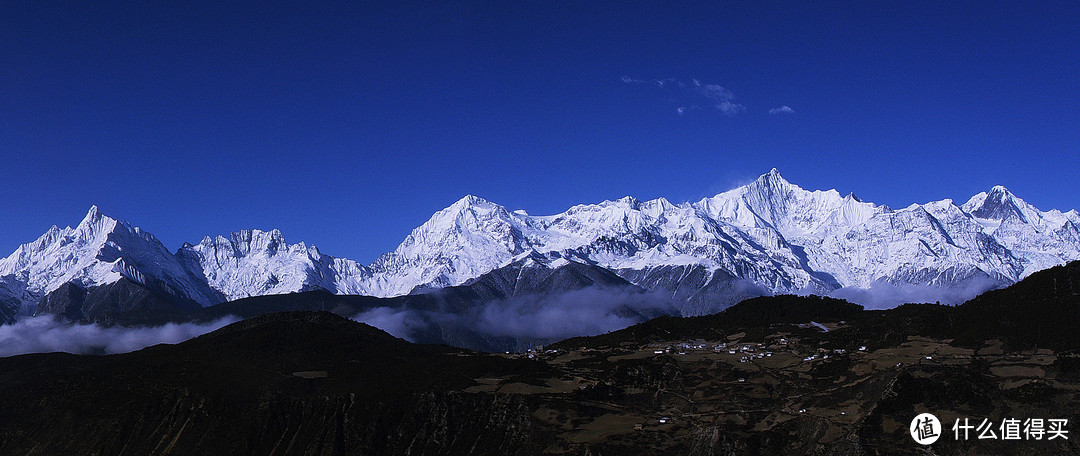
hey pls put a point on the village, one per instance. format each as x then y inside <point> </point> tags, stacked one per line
<point>731,349</point>
<point>748,383</point>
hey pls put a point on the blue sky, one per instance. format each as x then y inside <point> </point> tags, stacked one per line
<point>346,125</point>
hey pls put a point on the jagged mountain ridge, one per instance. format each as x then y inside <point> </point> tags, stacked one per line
<point>256,263</point>
<point>769,236</point>
<point>99,251</point>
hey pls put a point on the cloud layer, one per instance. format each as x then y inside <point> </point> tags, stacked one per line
<point>583,312</point>
<point>782,110</point>
<point>46,334</point>
<point>884,295</point>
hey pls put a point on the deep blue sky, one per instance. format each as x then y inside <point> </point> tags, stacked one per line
<point>346,125</point>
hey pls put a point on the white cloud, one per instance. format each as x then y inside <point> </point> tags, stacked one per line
<point>713,91</point>
<point>730,108</point>
<point>884,295</point>
<point>782,110</point>
<point>687,94</point>
<point>46,334</point>
<point>583,312</point>
<point>398,322</point>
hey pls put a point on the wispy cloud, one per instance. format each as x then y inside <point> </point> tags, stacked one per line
<point>884,295</point>
<point>782,110</point>
<point>730,107</point>
<point>524,320</point>
<point>666,82</point>
<point>722,98</point>
<point>47,334</point>
<point>687,94</point>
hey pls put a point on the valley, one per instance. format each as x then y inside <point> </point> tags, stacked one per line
<point>771,375</point>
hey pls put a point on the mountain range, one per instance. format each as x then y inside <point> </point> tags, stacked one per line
<point>767,237</point>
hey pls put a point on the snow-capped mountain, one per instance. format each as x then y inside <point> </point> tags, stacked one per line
<point>1041,238</point>
<point>99,251</point>
<point>461,242</point>
<point>256,263</point>
<point>769,236</point>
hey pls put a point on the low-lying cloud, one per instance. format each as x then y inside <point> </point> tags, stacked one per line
<point>583,312</point>
<point>46,334</point>
<point>885,295</point>
<point>398,322</point>
<point>525,321</point>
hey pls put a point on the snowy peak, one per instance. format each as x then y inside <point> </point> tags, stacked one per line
<point>464,208</point>
<point>770,231</point>
<point>769,193</point>
<point>1000,207</point>
<point>267,242</point>
<point>100,250</point>
<point>94,224</point>
<point>94,218</point>
<point>255,262</point>
<point>772,179</point>
<point>470,214</point>
<point>471,223</point>
<point>63,255</point>
<point>469,200</point>
<point>998,204</point>
<point>468,238</point>
<point>771,202</point>
<point>626,202</point>
<point>240,244</point>
<point>768,235</point>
